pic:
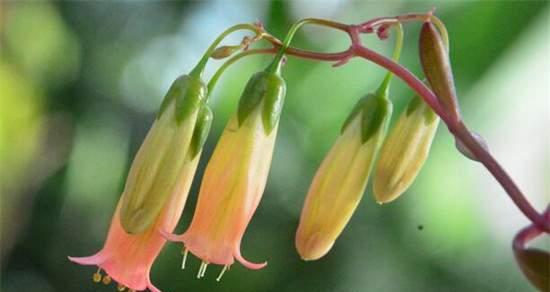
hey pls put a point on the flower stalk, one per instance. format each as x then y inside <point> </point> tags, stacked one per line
<point>236,174</point>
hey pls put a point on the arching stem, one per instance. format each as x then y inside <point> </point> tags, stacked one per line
<point>357,50</point>
<point>199,68</point>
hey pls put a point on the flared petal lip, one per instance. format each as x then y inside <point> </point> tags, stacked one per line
<point>246,263</point>
<point>236,253</point>
<point>98,260</point>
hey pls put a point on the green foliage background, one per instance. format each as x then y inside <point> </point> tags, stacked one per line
<point>80,83</point>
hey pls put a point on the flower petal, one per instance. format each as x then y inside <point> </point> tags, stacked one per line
<point>246,263</point>
<point>96,259</point>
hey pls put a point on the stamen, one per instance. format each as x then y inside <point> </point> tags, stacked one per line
<point>185,252</point>
<point>120,287</point>
<point>107,280</point>
<point>97,276</point>
<point>200,270</point>
<point>225,267</point>
<point>204,270</point>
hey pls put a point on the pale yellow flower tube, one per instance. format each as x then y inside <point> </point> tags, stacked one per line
<point>340,182</point>
<point>404,151</point>
<point>235,178</point>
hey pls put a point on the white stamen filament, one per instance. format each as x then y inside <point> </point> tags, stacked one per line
<point>184,258</point>
<point>204,269</point>
<point>200,270</point>
<point>225,267</point>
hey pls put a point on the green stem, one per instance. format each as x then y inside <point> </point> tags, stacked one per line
<point>384,88</point>
<point>275,66</point>
<point>199,68</point>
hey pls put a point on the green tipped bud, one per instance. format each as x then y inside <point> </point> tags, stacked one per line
<point>437,69</point>
<point>340,181</point>
<point>189,93</point>
<point>404,151</point>
<point>165,152</point>
<point>269,88</point>
<point>375,112</point>
<point>202,128</point>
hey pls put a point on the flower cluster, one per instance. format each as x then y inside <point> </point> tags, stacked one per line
<point>235,177</point>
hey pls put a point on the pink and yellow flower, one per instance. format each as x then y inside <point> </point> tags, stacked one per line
<point>235,177</point>
<point>169,155</point>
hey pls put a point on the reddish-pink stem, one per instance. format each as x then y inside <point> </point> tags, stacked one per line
<point>528,233</point>
<point>455,126</point>
<point>461,132</point>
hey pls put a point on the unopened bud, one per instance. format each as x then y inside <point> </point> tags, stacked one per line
<point>160,159</point>
<point>224,52</point>
<point>269,88</point>
<point>535,265</point>
<point>437,69</point>
<point>533,262</point>
<point>404,151</point>
<point>340,181</point>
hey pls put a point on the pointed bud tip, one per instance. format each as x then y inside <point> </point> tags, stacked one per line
<point>224,52</point>
<point>313,247</point>
<point>434,58</point>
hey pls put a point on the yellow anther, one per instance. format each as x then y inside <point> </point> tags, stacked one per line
<point>120,287</point>
<point>107,280</point>
<point>97,277</point>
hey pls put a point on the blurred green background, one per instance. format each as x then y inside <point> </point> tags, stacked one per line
<point>80,83</point>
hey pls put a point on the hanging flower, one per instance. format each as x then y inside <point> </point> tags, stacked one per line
<point>340,181</point>
<point>404,151</point>
<point>235,177</point>
<point>156,188</point>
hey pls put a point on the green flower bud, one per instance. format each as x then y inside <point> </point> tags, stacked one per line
<point>437,69</point>
<point>224,51</point>
<point>189,93</point>
<point>375,114</point>
<point>269,88</point>
<point>404,151</point>
<point>165,152</point>
<point>202,128</point>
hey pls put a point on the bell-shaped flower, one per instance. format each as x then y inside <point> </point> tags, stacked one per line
<point>340,181</point>
<point>156,188</point>
<point>235,177</point>
<point>404,151</point>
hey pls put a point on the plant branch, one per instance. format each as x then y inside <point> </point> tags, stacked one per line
<point>457,128</point>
